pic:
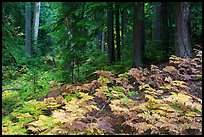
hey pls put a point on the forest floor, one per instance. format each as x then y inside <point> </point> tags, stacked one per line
<point>163,99</point>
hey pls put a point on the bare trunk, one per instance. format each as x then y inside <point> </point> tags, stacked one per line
<point>98,37</point>
<point>99,33</point>
<point>53,61</point>
<point>143,27</point>
<point>137,34</point>
<point>117,32</point>
<point>28,29</point>
<point>111,53</point>
<point>182,40</point>
<point>36,26</point>
<point>69,31</point>
<point>70,63</point>
<point>102,42</point>
<point>123,27</point>
<point>156,22</point>
<point>164,27</point>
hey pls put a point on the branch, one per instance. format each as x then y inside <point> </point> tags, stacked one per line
<point>103,107</point>
<point>10,89</point>
<point>63,18</point>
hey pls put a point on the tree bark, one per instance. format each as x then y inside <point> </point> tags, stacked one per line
<point>102,42</point>
<point>69,30</point>
<point>182,39</point>
<point>137,34</point>
<point>156,22</point>
<point>28,29</point>
<point>111,53</point>
<point>123,26</point>
<point>117,32</point>
<point>36,26</point>
<point>98,16</point>
<point>70,34</point>
<point>164,26</point>
<point>143,28</point>
<point>53,61</point>
<point>98,38</point>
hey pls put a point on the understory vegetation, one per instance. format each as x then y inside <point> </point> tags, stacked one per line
<point>163,100</point>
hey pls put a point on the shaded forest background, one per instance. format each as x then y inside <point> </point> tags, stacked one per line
<point>74,39</point>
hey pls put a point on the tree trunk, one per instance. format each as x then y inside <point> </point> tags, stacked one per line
<point>156,22</point>
<point>69,30</point>
<point>164,26</point>
<point>36,26</point>
<point>99,33</point>
<point>98,38</point>
<point>102,42</point>
<point>143,28</point>
<point>182,40</point>
<point>72,73</point>
<point>28,29</point>
<point>53,61</point>
<point>123,26</point>
<point>111,53</point>
<point>117,32</point>
<point>137,34</point>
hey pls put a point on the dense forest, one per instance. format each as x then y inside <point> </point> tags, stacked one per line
<point>101,68</point>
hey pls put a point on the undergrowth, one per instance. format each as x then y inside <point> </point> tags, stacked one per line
<point>141,101</point>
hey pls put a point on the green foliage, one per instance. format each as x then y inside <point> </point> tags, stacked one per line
<point>9,100</point>
<point>70,96</point>
<point>32,107</point>
<point>196,19</point>
<point>10,128</point>
<point>131,93</point>
<point>153,54</point>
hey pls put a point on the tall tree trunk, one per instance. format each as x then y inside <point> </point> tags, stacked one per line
<point>28,29</point>
<point>36,26</point>
<point>70,34</point>
<point>102,42</point>
<point>99,33</point>
<point>164,26</point>
<point>69,30</point>
<point>156,22</point>
<point>182,39</point>
<point>123,26</point>
<point>137,34</point>
<point>98,38</point>
<point>117,32</point>
<point>143,27</point>
<point>111,53</point>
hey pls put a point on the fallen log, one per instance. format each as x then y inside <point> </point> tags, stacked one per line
<point>10,89</point>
